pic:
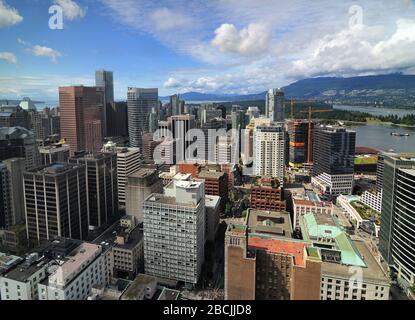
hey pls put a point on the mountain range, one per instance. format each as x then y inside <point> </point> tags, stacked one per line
<point>389,90</point>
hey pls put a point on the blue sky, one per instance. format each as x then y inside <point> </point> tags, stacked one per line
<point>227,46</point>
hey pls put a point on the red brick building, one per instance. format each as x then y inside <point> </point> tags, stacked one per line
<point>267,195</point>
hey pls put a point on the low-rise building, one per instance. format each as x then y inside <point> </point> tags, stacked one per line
<point>21,281</point>
<point>143,287</point>
<point>349,270</point>
<point>128,253</point>
<point>75,274</point>
<point>303,206</point>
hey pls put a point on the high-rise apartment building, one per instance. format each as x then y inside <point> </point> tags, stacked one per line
<point>101,186</point>
<point>333,163</point>
<point>82,118</point>
<point>397,224</point>
<point>56,202</point>
<point>140,104</point>
<point>269,152</point>
<point>275,105</point>
<point>174,232</point>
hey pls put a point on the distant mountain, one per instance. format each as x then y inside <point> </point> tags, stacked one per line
<point>396,90</point>
<point>197,96</point>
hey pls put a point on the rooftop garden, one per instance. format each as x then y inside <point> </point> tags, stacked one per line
<point>365,212</point>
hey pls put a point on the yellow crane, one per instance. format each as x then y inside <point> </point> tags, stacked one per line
<point>310,112</point>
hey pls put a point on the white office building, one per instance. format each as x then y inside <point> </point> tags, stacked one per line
<point>128,161</point>
<point>269,151</point>
<point>174,231</point>
<point>75,275</point>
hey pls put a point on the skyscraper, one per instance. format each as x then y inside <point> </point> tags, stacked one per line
<point>397,224</point>
<point>101,187</point>
<point>11,192</point>
<point>269,151</point>
<point>104,80</point>
<point>177,105</point>
<point>180,125</point>
<point>275,105</point>
<point>82,118</point>
<point>140,104</point>
<point>333,164</point>
<point>55,202</point>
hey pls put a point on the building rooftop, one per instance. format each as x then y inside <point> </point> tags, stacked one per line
<point>140,283</point>
<point>293,248</point>
<point>21,269</point>
<point>371,270</point>
<point>131,238</point>
<point>54,169</point>
<point>304,202</point>
<point>326,232</point>
<point>205,174</point>
<point>74,263</point>
<point>169,294</point>
<point>142,173</point>
<point>163,199</point>
<point>7,262</point>
<point>13,133</point>
<point>269,222</point>
<point>211,201</point>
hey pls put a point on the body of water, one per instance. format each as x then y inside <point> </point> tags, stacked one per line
<point>376,111</point>
<point>379,137</point>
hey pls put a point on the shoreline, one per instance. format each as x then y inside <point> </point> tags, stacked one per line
<point>390,124</point>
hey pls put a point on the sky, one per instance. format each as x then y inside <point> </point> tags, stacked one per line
<point>211,46</point>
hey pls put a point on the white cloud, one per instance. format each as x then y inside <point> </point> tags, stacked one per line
<point>360,49</point>
<point>171,83</point>
<point>8,56</point>
<point>252,40</point>
<point>8,15</point>
<point>71,10</point>
<point>41,51</point>
<point>166,19</point>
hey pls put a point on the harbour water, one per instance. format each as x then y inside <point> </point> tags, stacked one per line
<point>379,137</point>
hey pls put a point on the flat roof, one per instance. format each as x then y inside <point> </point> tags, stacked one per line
<point>279,245</point>
<point>204,174</point>
<point>139,284</point>
<point>269,222</point>
<point>371,272</point>
<point>211,201</point>
<point>161,198</point>
<point>74,263</point>
<point>169,294</point>
<point>134,237</point>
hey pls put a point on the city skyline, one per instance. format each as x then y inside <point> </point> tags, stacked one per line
<point>219,46</point>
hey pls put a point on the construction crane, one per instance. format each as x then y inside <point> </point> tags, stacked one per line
<point>310,112</point>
